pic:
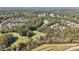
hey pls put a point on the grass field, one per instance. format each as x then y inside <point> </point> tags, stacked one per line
<point>38,34</point>
<point>24,39</point>
<point>46,22</point>
<point>44,47</point>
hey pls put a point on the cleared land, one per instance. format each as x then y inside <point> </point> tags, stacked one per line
<point>76,48</point>
<point>57,47</point>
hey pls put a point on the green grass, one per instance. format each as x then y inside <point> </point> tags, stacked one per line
<point>23,39</point>
<point>46,22</point>
<point>38,34</point>
<point>20,40</point>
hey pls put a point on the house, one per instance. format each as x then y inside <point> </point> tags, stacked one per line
<point>52,15</point>
<point>12,23</point>
<point>41,15</point>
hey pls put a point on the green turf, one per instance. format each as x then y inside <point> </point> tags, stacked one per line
<point>46,22</point>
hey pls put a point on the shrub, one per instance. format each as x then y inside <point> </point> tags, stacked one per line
<point>30,33</point>
<point>9,39</point>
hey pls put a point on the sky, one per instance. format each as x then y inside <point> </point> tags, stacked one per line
<point>39,3</point>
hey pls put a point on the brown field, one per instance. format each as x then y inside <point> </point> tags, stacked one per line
<point>57,47</point>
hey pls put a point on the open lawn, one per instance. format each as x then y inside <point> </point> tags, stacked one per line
<point>38,34</point>
<point>24,39</point>
<point>46,22</point>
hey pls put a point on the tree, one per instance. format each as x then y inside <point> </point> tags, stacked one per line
<point>30,33</point>
<point>9,39</point>
<point>4,30</point>
<point>22,30</point>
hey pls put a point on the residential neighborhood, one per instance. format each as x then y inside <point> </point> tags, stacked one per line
<point>39,29</point>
